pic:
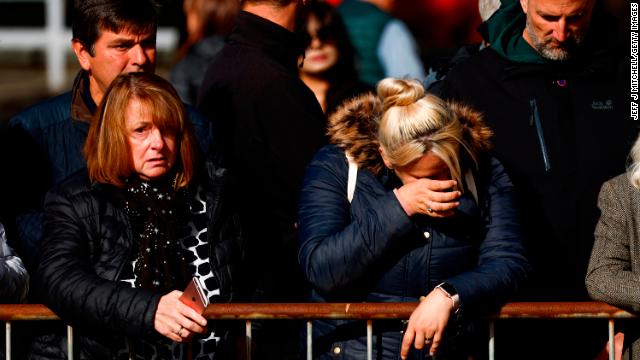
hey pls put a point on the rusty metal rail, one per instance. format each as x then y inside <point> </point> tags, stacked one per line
<point>349,311</point>
<point>354,311</point>
<point>365,311</point>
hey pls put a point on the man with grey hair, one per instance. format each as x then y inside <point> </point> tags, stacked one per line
<point>552,87</point>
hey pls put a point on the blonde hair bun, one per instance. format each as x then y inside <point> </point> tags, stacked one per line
<point>399,92</point>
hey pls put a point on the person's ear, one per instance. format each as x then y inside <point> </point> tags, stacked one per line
<point>83,54</point>
<point>385,159</point>
<point>524,4</point>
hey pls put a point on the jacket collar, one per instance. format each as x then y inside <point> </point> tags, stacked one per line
<point>269,37</point>
<point>82,105</point>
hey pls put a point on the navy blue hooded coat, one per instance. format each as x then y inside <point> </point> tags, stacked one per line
<point>370,250</point>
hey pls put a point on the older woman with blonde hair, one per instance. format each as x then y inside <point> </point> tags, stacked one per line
<point>125,236</point>
<point>613,275</point>
<point>407,203</point>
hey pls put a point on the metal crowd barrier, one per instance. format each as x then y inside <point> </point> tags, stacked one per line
<point>347,311</point>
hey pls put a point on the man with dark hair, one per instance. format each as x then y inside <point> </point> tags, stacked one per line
<point>110,37</point>
<point>552,87</point>
<point>268,125</point>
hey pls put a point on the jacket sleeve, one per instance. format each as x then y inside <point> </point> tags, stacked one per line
<point>502,266</point>
<point>610,277</point>
<point>14,279</point>
<point>336,249</point>
<point>23,192</point>
<point>70,286</point>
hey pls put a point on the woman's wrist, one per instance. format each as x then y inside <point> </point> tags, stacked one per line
<point>403,203</point>
<point>451,293</point>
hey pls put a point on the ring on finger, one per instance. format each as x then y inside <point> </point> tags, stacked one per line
<point>180,331</point>
<point>428,340</point>
<point>429,209</point>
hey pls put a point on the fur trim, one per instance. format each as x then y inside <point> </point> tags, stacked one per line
<point>476,133</point>
<point>354,128</point>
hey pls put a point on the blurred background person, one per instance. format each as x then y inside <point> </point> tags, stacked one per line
<point>207,22</point>
<point>328,66</point>
<point>384,45</point>
<point>614,268</point>
<point>439,69</point>
<point>124,236</point>
<point>432,215</point>
<point>14,279</point>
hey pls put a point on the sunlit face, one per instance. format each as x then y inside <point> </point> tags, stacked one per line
<point>428,166</point>
<point>115,54</point>
<point>153,153</point>
<point>555,27</point>
<point>321,55</point>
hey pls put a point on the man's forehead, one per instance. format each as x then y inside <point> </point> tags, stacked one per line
<point>126,33</point>
<point>562,7</point>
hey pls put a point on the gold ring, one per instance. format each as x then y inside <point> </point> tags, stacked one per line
<point>180,331</point>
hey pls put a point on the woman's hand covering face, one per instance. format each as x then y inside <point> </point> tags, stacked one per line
<point>428,188</point>
<point>433,198</point>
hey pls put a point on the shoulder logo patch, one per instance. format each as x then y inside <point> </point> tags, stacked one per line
<point>602,104</point>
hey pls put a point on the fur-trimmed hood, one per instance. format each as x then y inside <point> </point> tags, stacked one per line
<point>354,128</point>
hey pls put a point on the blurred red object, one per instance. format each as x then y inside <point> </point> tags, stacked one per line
<point>441,23</point>
<point>438,24</point>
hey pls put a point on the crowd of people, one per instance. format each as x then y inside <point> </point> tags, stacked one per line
<point>299,153</point>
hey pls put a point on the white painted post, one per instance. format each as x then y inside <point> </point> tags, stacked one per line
<point>70,355</point>
<point>309,340</point>
<point>492,340</point>
<point>369,339</point>
<point>56,44</point>
<point>248,338</point>
<point>612,340</point>
<point>7,339</point>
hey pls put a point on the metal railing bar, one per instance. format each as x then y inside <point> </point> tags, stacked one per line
<point>365,311</point>
<point>70,354</point>
<point>309,340</point>
<point>248,338</point>
<point>555,310</point>
<point>612,351</point>
<point>369,339</point>
<point>7,339</point>
<point>355,311</point>
<point>14,312</point>
<point>492,340</point>
<point>347,311</point>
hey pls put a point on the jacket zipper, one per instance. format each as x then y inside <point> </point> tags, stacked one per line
<point>535,120</point>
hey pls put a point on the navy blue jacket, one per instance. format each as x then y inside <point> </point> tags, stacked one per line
<point>370,250</point>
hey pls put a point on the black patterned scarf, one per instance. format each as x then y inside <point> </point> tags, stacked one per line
<point>158,214</point>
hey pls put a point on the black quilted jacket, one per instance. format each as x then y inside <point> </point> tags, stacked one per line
<point>88,240</point>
